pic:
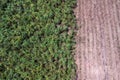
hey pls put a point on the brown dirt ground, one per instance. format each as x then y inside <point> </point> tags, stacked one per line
<point>98,40</point>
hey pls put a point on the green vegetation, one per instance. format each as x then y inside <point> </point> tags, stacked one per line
<point>34,39</point>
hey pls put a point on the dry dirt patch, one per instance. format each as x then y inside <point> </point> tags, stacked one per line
<point>98,40</point>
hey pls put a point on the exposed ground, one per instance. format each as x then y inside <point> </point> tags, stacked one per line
<point>98,40</point>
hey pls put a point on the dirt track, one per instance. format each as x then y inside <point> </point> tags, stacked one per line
<point>98,40</point>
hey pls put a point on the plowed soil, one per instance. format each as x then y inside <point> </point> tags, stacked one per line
<point>98,40</point>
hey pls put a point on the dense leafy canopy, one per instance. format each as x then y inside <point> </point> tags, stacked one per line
<point>34,39</point>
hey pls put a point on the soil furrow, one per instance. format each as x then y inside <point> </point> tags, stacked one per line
<point>98,40</point>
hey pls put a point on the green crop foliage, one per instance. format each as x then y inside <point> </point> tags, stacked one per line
<point>34,39</point>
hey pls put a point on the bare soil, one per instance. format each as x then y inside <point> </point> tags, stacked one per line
<point>98,40</point>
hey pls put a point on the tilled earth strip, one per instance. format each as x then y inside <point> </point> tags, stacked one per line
<point>98,40</point>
